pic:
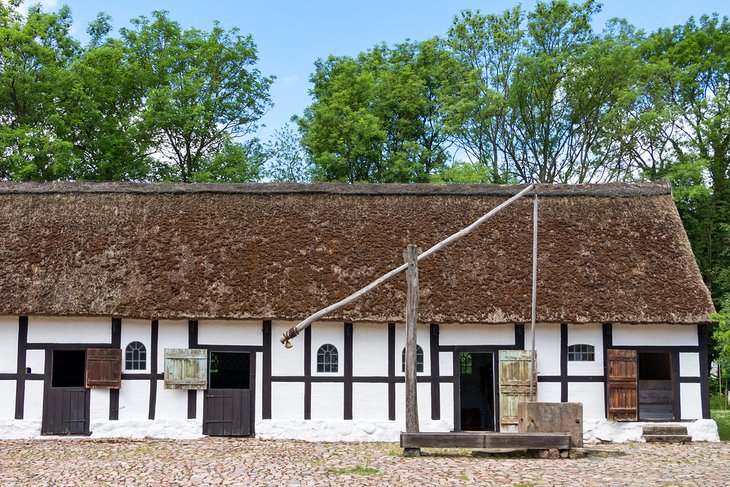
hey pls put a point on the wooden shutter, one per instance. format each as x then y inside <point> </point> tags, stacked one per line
<point>514,386</point>
<point>103,368</point>
<point>186,368</point>
<point>622,385</point>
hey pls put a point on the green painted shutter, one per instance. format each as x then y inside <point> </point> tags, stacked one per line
<point>514,386</point>
<point>186,368</point>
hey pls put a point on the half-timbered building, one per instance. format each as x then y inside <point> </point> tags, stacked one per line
<point>156,310</point>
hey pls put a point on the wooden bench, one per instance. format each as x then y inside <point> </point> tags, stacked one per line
<point>481,439</point>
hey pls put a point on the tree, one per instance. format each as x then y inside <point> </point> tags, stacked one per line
<point>377,117</point>
<point>35,53</point>
<point>289,163</point>
<point>202,90</point>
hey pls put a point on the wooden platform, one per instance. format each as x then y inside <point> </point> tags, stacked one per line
<point>482,439</point>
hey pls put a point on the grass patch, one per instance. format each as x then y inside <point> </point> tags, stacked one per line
<point>358,470</point>
<point>722,418</point>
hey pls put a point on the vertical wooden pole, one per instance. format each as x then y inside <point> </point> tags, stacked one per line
<point>410,255</point>
<point>534,296</point>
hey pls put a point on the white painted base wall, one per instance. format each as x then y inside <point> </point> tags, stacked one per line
<point>601,430</point>
<point>338,430</point>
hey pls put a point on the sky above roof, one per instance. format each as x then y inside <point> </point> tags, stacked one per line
<point>292,34</point>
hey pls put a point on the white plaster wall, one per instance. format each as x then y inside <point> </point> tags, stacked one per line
<point>99,405</point>
<point>7,399</point>
<point>339,430</point>
<point>588,335</point>
<point>654,335</point>
<point>446,363</point>
<point>334,334</point>
<point>369,401</point>
<point>36,360</point>
<point>591,394</point>
<point>137,331</point>
<point>689,364</point>
<point>424,401</point>
<point>423,338</point>
<point>170,334</point>
<point>287,400</point>
<point>33,400</point>
<point>227,332</point>
<point>44,329</point>
<point>286,361</point>
<point>8,344</point>
<point>447,404</point>
<point>690,401</point>
<point>369,350</point>
<point>548,391</point>
<point>134,400</point>
<point>171,403</point>
<point>547,341</point>
<point>258,400</point>
<point>328,400</point>
<point>457,334</point>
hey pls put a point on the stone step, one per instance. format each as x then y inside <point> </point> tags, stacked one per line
<point>667,438</point>
<point>664,429</point>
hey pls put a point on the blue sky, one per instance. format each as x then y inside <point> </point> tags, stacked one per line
<point>292,34</point>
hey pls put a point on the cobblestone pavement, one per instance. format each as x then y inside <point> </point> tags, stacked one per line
<point>222,461</point>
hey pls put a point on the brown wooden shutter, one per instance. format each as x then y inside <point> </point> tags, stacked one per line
<point>186,368</point>
<point>103,368</point>
<point>622,385</point>
<point>514,386</point>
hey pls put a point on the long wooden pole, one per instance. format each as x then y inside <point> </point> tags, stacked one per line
<point>534,296</point>
<point>410,256</point>
<point>295,330</point>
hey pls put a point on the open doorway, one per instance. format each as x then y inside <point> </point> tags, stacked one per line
<point>477,391</point>
<point>655,386</point>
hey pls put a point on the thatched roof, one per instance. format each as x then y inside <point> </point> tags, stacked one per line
<point>608,253</point>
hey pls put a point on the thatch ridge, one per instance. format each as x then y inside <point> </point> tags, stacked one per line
<point>614,253</point>
<point>610,189</point>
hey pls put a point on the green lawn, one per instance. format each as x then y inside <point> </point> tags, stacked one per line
<point>723,423</point>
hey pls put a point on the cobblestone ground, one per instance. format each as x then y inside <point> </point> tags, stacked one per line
<point>222,461</point>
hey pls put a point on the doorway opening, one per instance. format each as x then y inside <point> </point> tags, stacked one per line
<point>477,391</point>
<point>229,370</point>
<point>655,386</point>
<point>69,368</point>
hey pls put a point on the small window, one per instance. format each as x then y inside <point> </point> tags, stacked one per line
<point>466,363</point>
<point>135,356</point>
<point>327,358</point>
<point>419,359</point>
<point>581,353</point>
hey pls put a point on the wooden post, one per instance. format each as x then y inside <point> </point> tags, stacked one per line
<point>410,255</point>
<point>534,297</point>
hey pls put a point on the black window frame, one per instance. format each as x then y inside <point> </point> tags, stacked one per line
<point>138,362</point>
<point>581,352</point>
<point>419,359</point>
<point>328,359</point>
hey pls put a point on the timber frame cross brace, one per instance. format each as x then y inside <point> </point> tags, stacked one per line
<point>412,257</point>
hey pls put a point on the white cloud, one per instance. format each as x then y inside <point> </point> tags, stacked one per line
<point>46,5</point>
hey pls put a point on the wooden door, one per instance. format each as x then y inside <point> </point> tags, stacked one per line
<point>65,399</point>
<point>227,412</point>
<point>514,386</point>
<point>228,402</point>
<point>622,385</point>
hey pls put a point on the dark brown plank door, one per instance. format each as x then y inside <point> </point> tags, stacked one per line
<point>65,399</point>
<point>228,405</point>
<point>514,386</point>
<point>103,368</point>
<point>622,385</point>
